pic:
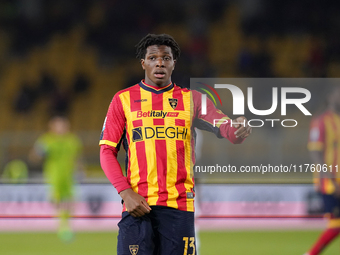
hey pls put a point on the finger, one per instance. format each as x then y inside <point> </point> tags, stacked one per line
<point>145,209</point>
<point>243,132</point>
<point>145,204</point>
<point>236,123</point>
<point>240,132</point>
<point>244,135</point>
<point>134,210</point>
<point>133,214</point>
<point>247,132</point>
<point>137,212</point>
<point>240,122</point>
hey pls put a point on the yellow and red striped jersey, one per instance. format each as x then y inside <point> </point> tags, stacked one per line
<point>157,129</point>
<point>324,136</point>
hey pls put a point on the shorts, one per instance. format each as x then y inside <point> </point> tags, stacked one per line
<point>164,231</point>
<point>331,205</point>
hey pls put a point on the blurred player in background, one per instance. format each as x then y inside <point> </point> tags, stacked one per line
<point>60,150</point>
<point>155,121</point>
<point>15,171</point>
<point>324,147</point>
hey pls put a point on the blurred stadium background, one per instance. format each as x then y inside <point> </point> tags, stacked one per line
<point>71,57</point>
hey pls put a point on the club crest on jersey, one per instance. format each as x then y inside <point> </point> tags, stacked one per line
<point>134,249</point>
<point>173,102</point>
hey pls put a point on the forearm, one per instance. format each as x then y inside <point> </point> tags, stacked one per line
<point>112,169</point>
<point>34,157</point>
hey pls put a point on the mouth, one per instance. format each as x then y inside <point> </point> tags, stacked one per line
<point>159,74</point>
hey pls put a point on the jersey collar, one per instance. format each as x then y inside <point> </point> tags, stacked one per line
<point>155,89</point>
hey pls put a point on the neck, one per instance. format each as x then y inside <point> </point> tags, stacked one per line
<point>160,85</point>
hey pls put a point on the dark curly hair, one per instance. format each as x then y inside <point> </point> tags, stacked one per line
<point>161,39</point>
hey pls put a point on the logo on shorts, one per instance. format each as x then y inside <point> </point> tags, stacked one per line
<point>173,102</point>
<point>133,249</point>
<point>137,134</point>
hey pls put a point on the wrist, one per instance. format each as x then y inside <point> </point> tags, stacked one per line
<point>125,192</point>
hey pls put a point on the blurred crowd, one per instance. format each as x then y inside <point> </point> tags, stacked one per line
<point>114,27</point>
<point>59,57</point>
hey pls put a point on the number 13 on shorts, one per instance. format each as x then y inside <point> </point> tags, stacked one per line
<point>191,244</point>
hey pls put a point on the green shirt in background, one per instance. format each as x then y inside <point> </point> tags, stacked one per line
<point>61,153</point>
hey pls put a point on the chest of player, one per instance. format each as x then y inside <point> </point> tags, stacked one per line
<point>159,116</point>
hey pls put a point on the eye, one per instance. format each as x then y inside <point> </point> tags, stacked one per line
<point>152,58</point>
<point>167,58</point>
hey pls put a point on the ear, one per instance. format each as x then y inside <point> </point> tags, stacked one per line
<point>174,65</point>
<point>142,61</point>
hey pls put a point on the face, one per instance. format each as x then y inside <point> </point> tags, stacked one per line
<point>158,65</point>
<point>59,125</point>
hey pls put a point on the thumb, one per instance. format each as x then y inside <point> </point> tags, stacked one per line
<point>238,122</point>
<point>236,125</point>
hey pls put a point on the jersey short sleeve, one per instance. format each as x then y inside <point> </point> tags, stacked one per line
<point>316,138</point>
<point>114,124</point>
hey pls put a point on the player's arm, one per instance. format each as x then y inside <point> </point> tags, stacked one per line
<point>36,154</point>
<point>217,122</point>
<point>112,133</point>
<point>135,204</point>
<point>34,157</point>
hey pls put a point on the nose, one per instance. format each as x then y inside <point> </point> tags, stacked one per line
<point>160,62</point>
